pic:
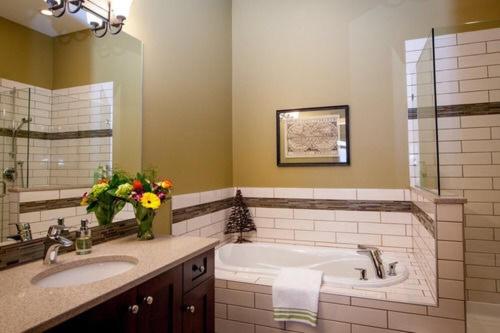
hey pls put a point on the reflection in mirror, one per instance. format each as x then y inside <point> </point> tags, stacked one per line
<point>69,104</point>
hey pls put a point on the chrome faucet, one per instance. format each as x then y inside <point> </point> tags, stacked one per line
<point>375,254</point>
<point>54,236</point>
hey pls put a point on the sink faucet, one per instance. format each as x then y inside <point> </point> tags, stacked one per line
<point>54,236</point>
<point>375,254</point>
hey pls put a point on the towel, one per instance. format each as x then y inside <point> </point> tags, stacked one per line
<point>296,295</point>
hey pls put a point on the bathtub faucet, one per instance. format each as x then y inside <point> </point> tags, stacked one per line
<point>375,254</point>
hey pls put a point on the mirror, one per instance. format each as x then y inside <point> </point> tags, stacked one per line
<point>69,103</point>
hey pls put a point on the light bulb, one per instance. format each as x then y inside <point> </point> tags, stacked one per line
<point>121,8</point>
<point>93,20</point>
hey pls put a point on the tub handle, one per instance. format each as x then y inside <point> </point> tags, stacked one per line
<point>392,268</point>
<point>362,274</point>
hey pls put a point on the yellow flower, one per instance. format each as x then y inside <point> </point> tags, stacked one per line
<point>150,200</point>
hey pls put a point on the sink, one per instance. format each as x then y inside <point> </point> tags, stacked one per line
<point>84,271</point>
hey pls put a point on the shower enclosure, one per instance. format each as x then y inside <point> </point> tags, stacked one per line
<point>426,157</point>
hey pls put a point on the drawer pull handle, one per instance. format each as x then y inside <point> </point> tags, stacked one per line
<point>190,308</point>
<point>200,269</point>
<point>149,300</point>
<point>134,309</point>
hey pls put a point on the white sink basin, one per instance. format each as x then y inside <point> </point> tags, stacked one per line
<point>84,271</point>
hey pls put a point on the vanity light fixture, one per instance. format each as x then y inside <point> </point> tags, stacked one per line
<point>102,15</point>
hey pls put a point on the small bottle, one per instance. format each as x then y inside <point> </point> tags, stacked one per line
<point>83,242</point>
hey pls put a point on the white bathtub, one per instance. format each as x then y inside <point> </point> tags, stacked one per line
<point>338,265</point>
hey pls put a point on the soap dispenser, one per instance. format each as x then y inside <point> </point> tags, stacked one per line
<point>83,242</point>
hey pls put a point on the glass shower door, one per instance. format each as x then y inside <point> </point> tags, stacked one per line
<point>15,115</point>
<point>427,157</point>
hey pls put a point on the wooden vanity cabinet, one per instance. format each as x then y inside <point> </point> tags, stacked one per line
<point>180,300</point>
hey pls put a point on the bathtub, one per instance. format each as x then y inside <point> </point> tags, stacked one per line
<point>338,265</point>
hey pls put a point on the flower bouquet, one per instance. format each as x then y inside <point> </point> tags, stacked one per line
<point>146,196</point>
<point>101,199</point>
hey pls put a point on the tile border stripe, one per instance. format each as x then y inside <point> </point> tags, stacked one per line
<point>103,133</point>
<point>459,110</point>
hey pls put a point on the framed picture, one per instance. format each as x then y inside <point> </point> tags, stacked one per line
<point>313,136</point>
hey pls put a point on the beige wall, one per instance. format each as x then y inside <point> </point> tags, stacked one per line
<point>293,53</point>
<point>26,55</point>
<point>80,59</point>
<point>187,90</point>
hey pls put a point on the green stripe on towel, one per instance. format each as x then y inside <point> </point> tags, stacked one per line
<point>306,319</point>
<point>314,314</point>
<point>305,316</point>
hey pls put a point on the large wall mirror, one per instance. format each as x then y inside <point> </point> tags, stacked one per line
<point>70,103</point>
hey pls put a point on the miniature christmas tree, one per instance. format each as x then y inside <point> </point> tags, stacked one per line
<point>240,219</point>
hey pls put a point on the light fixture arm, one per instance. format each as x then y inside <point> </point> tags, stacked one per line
<point>77,4</point>
<point>57,9</point>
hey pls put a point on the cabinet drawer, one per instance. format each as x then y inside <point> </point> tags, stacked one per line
<point>198,270</point>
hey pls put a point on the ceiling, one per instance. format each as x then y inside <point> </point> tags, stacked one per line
<point>27,13</point>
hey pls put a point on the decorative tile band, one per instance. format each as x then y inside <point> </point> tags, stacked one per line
<point>424,218</point>
<point>182,214</point>
<point>20,253</point>
<point>103,133</point>
<point>352,205</point>
<point>36,206</point>
<point>459,110</point>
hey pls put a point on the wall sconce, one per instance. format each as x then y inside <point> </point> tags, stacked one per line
<point>102,15</point>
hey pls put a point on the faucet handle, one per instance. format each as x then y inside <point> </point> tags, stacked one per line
<point>362,273</point>
<point>392,268</point>
<point>55,231</point>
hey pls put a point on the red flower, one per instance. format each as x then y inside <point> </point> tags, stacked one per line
<point>137,185</point>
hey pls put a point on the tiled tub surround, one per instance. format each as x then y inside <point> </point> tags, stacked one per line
<point>244,303</point>
<point>41,208</point>
<point>468,80</point>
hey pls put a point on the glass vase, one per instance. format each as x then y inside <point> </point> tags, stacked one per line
<point>106,211</point>
<point>144,218</point>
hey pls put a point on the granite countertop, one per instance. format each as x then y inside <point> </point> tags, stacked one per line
<point>26,307</point>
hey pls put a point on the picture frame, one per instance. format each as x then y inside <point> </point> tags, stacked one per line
<point>314,136</point>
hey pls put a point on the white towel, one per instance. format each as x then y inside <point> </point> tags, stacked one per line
<point>296,295</point>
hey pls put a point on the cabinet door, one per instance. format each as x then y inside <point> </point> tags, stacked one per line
<point>114,315</point>
<point>199,309</point>
<point>160,300</point>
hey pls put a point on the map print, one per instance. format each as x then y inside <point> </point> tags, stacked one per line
<point>312,137</point>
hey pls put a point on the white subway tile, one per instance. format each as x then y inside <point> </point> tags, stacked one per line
<point>38,195</point>
<point>54,214</point>
<point>257,192</point>
<point>478,36</point>
<point>494,70</point>
<point>274,212</point>
<point>335,193</point>
<point>494,96</point>
<point>357,216</point>
<point>460,50</point>
<point>349,238</point>
<point>397,241</point>
<point>179,228</point>
<point>293,193</point>
<point>463,98</point>
<point>382,229</point>
<point>314,214</point>
<point>293,224</point>
<point>480,84</point>
<point>380,194</point>
<point>210,196</point>
<point>336,226</point>
<point>396,217</point>
<point>198,222</point>
<point>316,236</point>
<point>464,158</point>
<point>262,222</point>
<point>479,60</point>
<point>185,200</point>
<point>29,217</point>
<point>73,193</point>
<point>462,74</point>
<point>275,233</point>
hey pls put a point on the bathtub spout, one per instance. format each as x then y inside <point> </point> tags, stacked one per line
<point>375,254</point>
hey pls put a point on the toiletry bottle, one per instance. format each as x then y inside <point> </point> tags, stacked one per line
<point>84,241</point>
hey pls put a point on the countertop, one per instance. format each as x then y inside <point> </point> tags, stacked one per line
<point>26,307</point>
